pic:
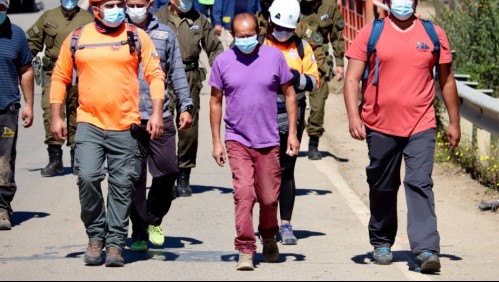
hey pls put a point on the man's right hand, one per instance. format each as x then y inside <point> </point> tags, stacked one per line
<point>219,154</point>
<point>218,30</point>
<point>59,129</point>
<point>357,128</point>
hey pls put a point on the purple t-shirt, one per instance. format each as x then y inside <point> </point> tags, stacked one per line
<point>250,86</point>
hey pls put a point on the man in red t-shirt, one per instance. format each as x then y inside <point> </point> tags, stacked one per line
<point>398,120</point>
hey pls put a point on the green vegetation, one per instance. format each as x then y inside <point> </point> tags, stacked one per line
<point>473,32</point>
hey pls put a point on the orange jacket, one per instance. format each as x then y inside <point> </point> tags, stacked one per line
<point>108,84</point>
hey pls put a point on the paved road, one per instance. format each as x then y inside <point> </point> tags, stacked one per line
<point>48,240</point>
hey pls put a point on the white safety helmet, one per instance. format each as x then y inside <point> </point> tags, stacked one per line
<point>285,13</point>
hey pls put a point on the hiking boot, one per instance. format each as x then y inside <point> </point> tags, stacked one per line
<point>93,254</point>
<point>55,166</point>
<point>428,262</point>
<point>5,223</point>
<point>270,250</point>
<point>287,236</point>
<point>114,258</point>
<point>382,256</point>
<point>138,246</point>
<point>313,149</point>
<point>183,186</point>
<point>156,235</point>
<point>73,169</point>
<point>245,262</point>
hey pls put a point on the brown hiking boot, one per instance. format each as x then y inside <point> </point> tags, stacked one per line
<point>93,254</point>
<point>114,258</point>
<point>5,223</point>
<point>270,250</point>
<point>245,262</point>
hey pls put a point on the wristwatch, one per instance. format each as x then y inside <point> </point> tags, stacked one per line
<point>189,109</point>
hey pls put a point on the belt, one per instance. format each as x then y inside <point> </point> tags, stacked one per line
<point>10,108</point>
<point>190,66</point>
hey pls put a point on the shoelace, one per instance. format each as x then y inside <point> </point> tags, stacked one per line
<point>95,246</point>
<point>157,229</point>
<point>287,230</point>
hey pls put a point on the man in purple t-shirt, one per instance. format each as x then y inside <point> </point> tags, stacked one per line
<point>248,75</point>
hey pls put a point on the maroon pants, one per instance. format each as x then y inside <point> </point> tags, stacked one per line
<point>256,176</point>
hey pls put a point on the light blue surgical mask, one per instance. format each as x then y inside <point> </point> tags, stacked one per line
<point>282,36</point>
<point>69,4</point>
<point>185,5</point>
<point>114,17</point>
<point>247,44</point>
<point>402,9</point>
<point>3,16</point>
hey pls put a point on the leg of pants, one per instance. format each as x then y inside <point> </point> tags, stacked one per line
<point>383,176</point>
<point>188,138</point>
<point>49,139</point>
<point>267,184</point>
<point>315,125</point>
<point>163,166</point>
<point>8,141</point>
<point>421,218</point>
<point>89,160</point>
<point>226,38</point>
<point>123,162</point>
<point>288,186</point>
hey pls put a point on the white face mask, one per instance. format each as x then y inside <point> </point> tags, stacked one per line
<point>137,15</point>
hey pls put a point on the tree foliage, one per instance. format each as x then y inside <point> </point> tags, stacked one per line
<point>473,32</point>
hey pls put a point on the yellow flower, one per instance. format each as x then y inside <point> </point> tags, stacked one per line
<point>467,149</point>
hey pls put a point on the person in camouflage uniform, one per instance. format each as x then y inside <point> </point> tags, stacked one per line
<point>195,33</point>
<point>322,23</point>
<point>49,31</point>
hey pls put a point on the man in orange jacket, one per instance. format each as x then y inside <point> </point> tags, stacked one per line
<point>107,59</point>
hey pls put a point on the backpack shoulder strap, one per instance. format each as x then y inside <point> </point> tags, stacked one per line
<point>73,47</point>
<point>133,40</point>
<point>432,33</point>
<point>371,48</point>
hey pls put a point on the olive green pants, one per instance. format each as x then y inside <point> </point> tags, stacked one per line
<point>315,124</point>
<point>69,110</point>
<point>188,138</point>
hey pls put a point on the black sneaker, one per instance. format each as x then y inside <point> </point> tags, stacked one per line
<point>382,256</point>
<point>428,262</point>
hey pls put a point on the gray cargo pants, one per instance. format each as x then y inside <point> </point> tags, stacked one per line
<point>120,150</point>
<point>383,175</point>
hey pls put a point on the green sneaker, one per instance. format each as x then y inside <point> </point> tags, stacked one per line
<point>156,235</point>
<point>139,246</point>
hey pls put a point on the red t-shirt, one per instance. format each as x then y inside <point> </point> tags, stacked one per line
<point>402,103</point>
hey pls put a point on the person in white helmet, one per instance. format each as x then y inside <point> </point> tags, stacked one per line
<point>282,22</point>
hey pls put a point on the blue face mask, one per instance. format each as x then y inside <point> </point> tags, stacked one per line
<point>282,36</point>
<point>246,45</point>
<point>3,16</point>
<point>114,17</point>
<point>402,9</point>
<point>185,5</point>
<point>69,4</point>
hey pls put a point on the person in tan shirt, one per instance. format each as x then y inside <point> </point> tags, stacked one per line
<point>107,59</point>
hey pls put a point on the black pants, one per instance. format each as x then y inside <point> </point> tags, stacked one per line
<point>383,175</point>
<point>288,186</point>
<point>163,166</point>
<point>8,140</point>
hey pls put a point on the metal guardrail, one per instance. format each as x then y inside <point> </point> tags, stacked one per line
<point>476,106</point>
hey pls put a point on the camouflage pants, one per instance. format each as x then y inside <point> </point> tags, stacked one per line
<point>68,111</point>
<point>315,125</point>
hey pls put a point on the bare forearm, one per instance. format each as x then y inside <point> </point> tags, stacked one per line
<point>27,86</point>
<point>157,107</point>
<point>215,120</point>
<point>292,110</point>
<point>451,99</point>
<point>351,96</point>
<point>55,111</point>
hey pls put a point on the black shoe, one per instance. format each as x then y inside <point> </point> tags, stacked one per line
<point>73,169</point>
<point>55,166</point>
<point>313,149</point>
<point>183,186</point>
<point>428,262</point>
